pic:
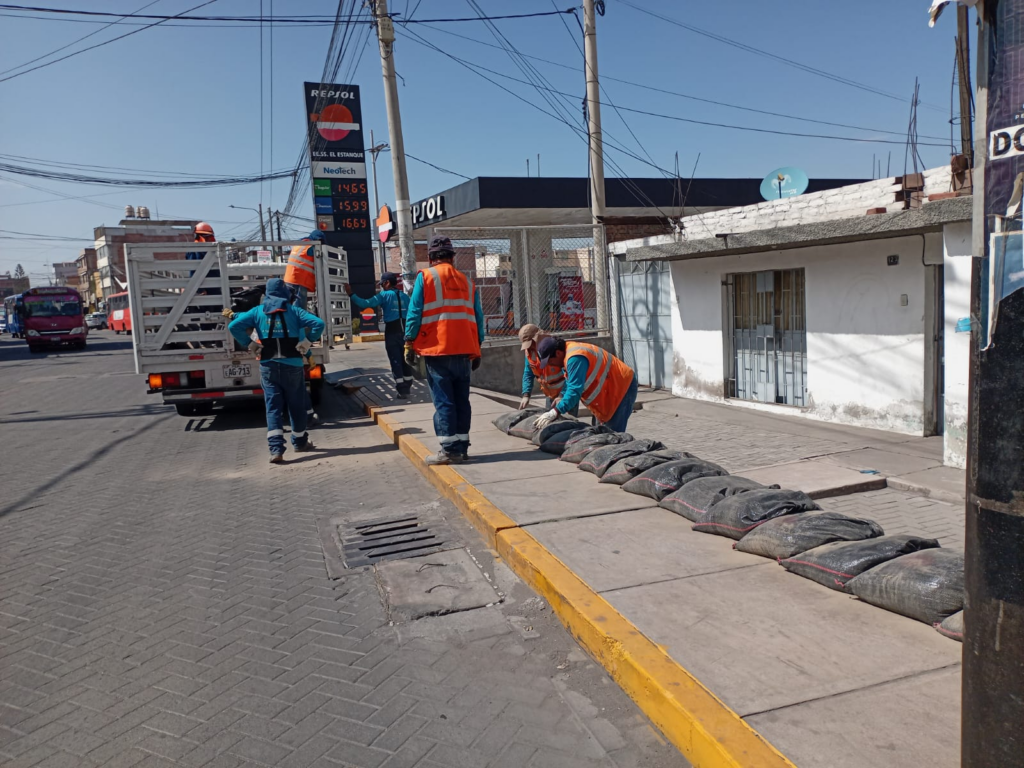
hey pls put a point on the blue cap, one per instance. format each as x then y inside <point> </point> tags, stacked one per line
<point>547,346</point>
<point>316,234</point>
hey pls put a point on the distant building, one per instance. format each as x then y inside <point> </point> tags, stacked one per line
<point>12,285</point>
<point>65,273</point>
<point>110,242</point>
<point>89,278</point>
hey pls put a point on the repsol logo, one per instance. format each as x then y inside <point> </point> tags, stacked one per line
<point>428,210</point>
<point>1007,142</point>
<point>332,94</point>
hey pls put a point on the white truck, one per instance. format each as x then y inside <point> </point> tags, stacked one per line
<point>179,333</point>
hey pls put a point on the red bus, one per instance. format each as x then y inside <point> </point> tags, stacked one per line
<point>119,318</point>
<point>52,315</point>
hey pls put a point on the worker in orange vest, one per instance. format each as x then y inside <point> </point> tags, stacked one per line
<point>300,274</point>
<point>445,325</point>
<point>551,379</point>
<point>605,384</point>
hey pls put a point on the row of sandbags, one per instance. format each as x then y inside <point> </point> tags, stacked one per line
<point>909,575</point>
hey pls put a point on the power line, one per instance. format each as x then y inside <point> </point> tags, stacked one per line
<point>121,182</point>
<point>767,54</point>
<point>90,167</point>
<point>438,167</point>
<point>100,45</point>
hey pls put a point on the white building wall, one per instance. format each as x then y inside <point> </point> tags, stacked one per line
<point>865,351</point>
<point>956,240</point>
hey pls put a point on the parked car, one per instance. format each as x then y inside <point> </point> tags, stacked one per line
<point>3,325</point>
<point>97,320</point>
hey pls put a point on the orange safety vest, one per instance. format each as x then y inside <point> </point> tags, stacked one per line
<point>300,270</point>
<point>448,326</point>
<point>608,379</point>
<point>551,378</point>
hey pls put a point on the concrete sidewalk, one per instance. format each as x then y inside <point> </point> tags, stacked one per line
<point>721,649</point>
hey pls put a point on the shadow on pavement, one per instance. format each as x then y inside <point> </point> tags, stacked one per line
<point>325,453</point>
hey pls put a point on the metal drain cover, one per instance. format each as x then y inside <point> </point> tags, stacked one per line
<point>391,538</point>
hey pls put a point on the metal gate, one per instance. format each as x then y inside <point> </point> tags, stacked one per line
<point>645,296</point>
<point>769,336</point>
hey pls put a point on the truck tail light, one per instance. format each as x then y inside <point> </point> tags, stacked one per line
<point>172,379</point>
<point>316,372</point>
<point>197,378</point>
<point>156,381</point>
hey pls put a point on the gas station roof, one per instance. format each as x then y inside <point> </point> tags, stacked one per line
<point>515,201</point>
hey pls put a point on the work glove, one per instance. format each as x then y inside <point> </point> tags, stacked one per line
<point>228,313</point>
<point>525,401</point>
<point>348,289</point>
<point>547,418</point>
<point>304,346</point>
<point>476,363</point>
<point>410,354</point>
<point>255,347</point>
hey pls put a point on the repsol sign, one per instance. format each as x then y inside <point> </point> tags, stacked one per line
<point>343,95</point>
<point>427,210</point>
<point>1007,142</point>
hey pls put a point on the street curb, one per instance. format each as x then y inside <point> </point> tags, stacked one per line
<point>924,490</point>
<point>701,726</point>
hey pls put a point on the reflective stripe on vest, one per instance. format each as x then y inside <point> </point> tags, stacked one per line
<point>608,379</point>
<point>300,270</point>
<point>550,379</point>
<point>448,325</point>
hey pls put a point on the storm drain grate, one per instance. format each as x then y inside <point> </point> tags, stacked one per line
<point>392,538</point>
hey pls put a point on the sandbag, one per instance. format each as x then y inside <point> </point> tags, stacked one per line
<point>926,585</point>
<point>568,426</point>
<point>524,429</point>
<point>658,482</point>
<point>737,515</point>
<point>598,461</point>
<point>792,534</point>
<point>507,420</point>
<point>695,498</point>
<point>577,448</point>
<point>626,469</point>
<point>835,564</point>
<point>555,443</point>
<point>953,627</point>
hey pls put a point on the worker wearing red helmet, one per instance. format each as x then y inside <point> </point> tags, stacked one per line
<point>204,234</point>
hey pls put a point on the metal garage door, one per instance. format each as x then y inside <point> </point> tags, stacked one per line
<point>645,296</point>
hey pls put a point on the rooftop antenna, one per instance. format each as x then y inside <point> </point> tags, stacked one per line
<point>538,165</point>
<point>785,182</point>
<point>527,166</point>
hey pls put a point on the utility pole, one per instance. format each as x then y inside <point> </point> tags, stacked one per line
<point>278,216</point>
<point>403,208</point>
<point>596,162</point>
<point>993,654</point>
<point>374,150</point>
<point>963,70</point>
<point>263,229</point>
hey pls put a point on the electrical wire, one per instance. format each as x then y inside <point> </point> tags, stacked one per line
<point>438,167</point>
<point>100,45</point>
<point>40,173</point>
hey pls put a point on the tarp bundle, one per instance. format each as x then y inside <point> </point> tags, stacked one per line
<point>835,564</point>
<point>658,482</point>
<point>736,516</point>
<point>694,499</point>
<point>506,421</point>
<point>581,444</point>
<point>926,585</point>
<point>626,469</point>
<point>598,461</point>
<point>792,534</point>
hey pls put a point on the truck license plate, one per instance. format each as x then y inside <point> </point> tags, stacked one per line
<point>237,371</point>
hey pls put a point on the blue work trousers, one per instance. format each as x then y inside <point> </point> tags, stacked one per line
<point>394,345</point>
<point>620,418</point>
<point>284,389</point>
<point>448,379</point>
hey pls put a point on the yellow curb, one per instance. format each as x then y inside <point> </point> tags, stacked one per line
<point>699,724</point>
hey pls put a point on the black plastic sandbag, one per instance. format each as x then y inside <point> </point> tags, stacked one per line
<point>695,498</point>
<point>568,426</point>
<point>524,429</point>
<point>506,421</point>
<point>579,446</point>
<point>926,585</point>
<point>737,515</point>
<point>658,482</point>
<point>790,535</point>
<point>624,470</point>
<point>953,627</point>
<point>598,461</point>
<point>555,442</point>
<point>835,564</point>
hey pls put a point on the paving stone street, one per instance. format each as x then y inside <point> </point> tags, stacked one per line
<point>164,600</point>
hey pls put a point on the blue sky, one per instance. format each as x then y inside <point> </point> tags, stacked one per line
<point>188,100</point>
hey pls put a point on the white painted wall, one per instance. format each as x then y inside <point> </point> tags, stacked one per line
<point>865,352</point>
<point>956,252</point>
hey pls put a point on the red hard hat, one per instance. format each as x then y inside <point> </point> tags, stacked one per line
<point>202,228</point>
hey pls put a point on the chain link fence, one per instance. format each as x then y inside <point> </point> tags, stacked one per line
<point>544,275</point>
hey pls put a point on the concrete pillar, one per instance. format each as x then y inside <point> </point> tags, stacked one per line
<point>957,264</point>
